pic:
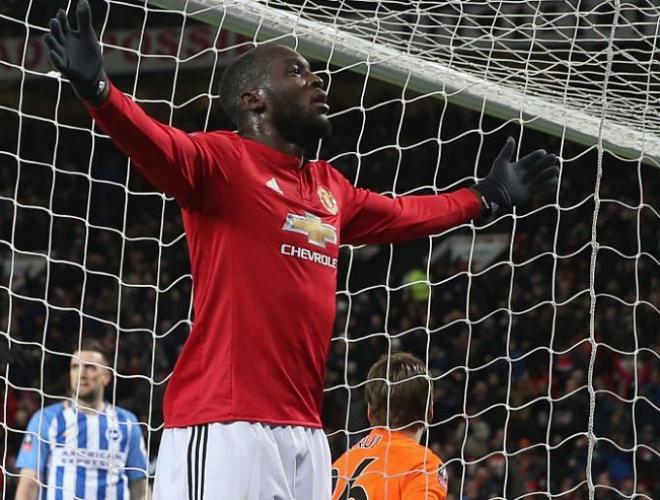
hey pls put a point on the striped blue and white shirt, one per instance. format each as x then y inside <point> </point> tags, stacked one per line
<point>84,456</point>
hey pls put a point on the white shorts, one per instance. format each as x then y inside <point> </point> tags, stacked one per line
<point>243,461</point>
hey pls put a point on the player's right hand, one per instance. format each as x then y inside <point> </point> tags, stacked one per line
<point>76,54</point>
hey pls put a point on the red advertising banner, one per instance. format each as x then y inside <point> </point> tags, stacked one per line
<point>156,49</point>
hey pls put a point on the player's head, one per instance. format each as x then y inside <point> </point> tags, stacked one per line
<point>399,392</point>
<point>273,85</point>
<point>88,373</point>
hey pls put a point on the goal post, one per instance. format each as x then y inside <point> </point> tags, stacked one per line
<point>329,39</point>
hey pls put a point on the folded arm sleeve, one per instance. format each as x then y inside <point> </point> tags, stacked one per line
<point>34,448</point>
<point>174,162</point>
<point>374,218</point>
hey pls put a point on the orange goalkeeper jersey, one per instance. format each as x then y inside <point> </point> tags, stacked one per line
<point>388,465</point>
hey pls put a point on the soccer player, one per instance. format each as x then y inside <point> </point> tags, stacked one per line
<point>263,224</point>
<point>85,448</point>
<point>389,463</point>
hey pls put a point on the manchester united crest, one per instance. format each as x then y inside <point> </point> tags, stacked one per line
<point>328,200</point>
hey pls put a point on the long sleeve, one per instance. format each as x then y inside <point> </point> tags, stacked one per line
<point>374,218</point>
<point>175,162</point>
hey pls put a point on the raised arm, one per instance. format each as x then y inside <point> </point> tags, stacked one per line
<point>172,160</point>
<point>373,218</point>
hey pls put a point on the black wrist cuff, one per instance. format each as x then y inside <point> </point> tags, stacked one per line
<point>90,93</point>
<point>489,197</point>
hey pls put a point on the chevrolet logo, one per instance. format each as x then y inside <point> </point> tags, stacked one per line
<point>316,230</point>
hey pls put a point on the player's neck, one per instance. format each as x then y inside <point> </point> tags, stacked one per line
<point>268,135</point>
<point>415,433</point>
<point>91,407</point>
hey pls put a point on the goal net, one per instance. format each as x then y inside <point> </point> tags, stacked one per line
<point>539,329</point>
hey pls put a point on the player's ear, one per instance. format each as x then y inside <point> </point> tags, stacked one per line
<point>369,414</point>
<point>253,100</point>
<point>430,415</point>
<point>107,377</point>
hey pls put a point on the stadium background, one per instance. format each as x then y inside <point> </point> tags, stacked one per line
<point>378,309</point>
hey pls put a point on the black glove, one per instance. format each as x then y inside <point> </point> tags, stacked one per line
<point>77,54</point>
<point>511,184</point>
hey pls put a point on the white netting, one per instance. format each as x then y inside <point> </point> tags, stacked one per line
<point>505,56</point>
<point>540,330</point>
<point>538,48</point>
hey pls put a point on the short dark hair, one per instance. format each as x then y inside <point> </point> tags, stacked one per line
<point>90,344</point>
<point>410,388</point>
<point>247,71</point>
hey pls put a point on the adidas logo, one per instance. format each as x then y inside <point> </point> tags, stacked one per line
<point>272,183</point>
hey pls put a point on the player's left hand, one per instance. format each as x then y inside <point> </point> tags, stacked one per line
<point>511,183</point>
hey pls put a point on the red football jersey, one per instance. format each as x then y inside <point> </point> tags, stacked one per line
<point>263,231</point>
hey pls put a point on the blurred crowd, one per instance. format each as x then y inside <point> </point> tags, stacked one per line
<point>511,346</point>
<point>545,356</point>
<point>507,342</point>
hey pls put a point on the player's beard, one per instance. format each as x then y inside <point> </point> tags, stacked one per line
<point>88,398</point>
<point>298,125</point>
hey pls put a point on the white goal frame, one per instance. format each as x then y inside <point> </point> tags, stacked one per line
<point>330,43</point>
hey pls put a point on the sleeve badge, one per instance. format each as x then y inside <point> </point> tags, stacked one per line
<point>442,477</point>
<point>27,443</point>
